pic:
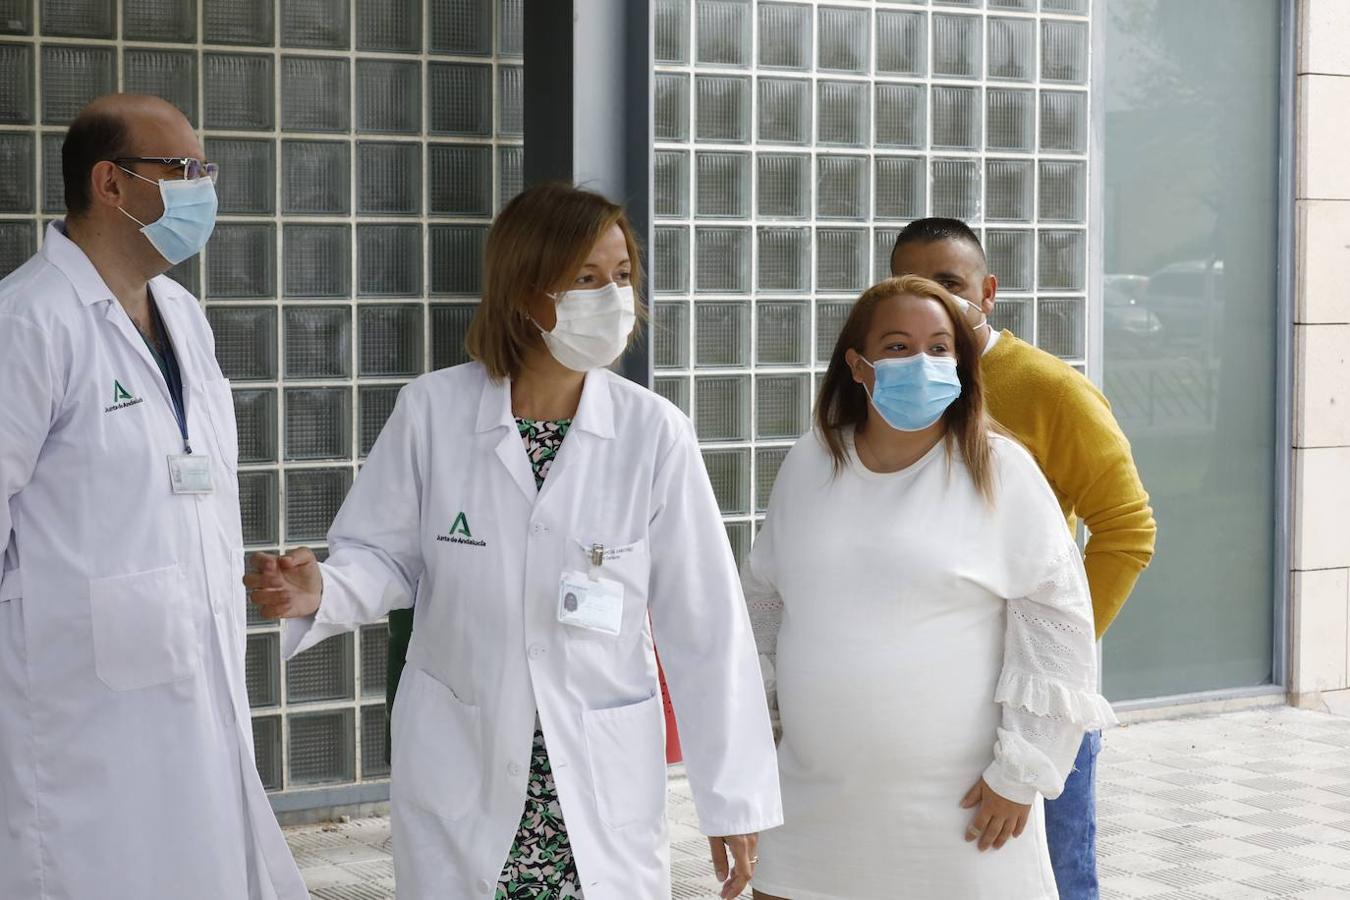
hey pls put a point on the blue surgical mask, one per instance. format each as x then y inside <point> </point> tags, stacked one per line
<point>188,220</point>
<point>912,392</point>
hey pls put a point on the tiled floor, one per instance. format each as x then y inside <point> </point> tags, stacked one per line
<point>1244,805</point>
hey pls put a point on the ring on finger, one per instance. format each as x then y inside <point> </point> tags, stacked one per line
<point>974,832</point>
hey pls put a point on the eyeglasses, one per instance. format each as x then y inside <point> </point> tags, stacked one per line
<point>192,168</point>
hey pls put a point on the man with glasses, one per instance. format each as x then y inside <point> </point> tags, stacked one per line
<point>126,749</point>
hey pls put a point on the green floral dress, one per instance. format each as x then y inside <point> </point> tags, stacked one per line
<point>540,865</point>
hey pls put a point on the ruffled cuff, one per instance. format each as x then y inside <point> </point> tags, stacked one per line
<point>1019,771</point>
<point>1053,699</point>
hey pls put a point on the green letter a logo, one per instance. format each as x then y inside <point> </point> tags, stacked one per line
<point>120,393</point>
<point>461,526</point>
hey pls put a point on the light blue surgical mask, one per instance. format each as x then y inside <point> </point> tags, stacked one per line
<point>188,220</point>
<point>912,392</point>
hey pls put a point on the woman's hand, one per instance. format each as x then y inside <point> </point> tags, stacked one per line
<point>996,819</point>
<point>735,877</point>
<point>284,587</point>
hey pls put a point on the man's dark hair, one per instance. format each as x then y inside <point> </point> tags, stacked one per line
<point>936,228</point>
<point>92,138</point>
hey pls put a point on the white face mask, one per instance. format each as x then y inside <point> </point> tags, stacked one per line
<point>592,328</point>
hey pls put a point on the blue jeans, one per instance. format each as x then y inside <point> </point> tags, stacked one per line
<point>1071,826</point>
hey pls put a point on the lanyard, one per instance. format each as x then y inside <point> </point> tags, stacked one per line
<point>168,367</point>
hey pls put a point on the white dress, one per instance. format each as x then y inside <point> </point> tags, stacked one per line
<point>923,639</point>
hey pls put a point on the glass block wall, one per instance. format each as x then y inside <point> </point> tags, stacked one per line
<point>364,146</point>
<point>794,141</point>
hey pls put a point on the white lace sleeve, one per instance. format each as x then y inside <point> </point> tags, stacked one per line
<point>766,614</point>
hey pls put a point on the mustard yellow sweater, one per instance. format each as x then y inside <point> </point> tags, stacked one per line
<point>1067,425</point>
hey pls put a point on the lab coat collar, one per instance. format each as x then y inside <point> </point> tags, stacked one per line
<point>595,413</point>
<point>66,255</point>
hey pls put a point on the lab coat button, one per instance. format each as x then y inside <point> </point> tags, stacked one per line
<point>484,884</point>
<point>539,528</point>
<point>515,769</point>
<point>538,650</point>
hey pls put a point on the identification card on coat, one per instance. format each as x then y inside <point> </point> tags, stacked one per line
<point>190,474</point>
<point>595,604</point>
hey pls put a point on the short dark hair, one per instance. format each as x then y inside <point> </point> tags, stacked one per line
<point>92,138</point>
<point>936,228</point>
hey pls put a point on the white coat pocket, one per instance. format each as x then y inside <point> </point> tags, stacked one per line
<point>627,565</point>
<point>435,737</point>
<point>143,629</point>
<point>220,413</point>
<point>628,761</point>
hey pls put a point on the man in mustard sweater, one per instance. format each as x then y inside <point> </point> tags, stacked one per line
<point>1067,425</point>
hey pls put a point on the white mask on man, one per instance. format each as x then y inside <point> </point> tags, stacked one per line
<point>593,326</point>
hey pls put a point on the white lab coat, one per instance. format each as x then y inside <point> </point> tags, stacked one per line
<point>126,750</point>
<point>488,650</point>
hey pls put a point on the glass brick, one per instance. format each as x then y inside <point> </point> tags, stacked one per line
<point>956,188</point>
<point>393,26</point>
<point>671,106</point>
<point>956,118</point>
<point>389,260</point>
<point>258,497</point>
<point>670,179</point>
<point>1060,328</point>
<point>170,74</point>
<point>511,101</point>
<point>783,331</point>
<point>16,84</point>
<point>247,184</point>
<point>246,341</point>
<point>956,46</point>
<point>18,242</point>
<point>670,335</point>
<point>241,261</point>
<point>721,334</point>
<point>670,23</point>
<point>670,259</point>
<point>188,274</point>
<point>315,94</point>
<point>318,423</point>
<point>739,537</point>
<point>723,35</point>
<point>901,189</point>
<point>17,181</point>
<point>784,259</point>
<point>723,108</point>
<point>388,96</point>
<point>237,22</point>
<point>784,36</point>
<point>73,76</point>
<point>784,185</point>
<point>830,318</point>
<point>675,390</point>
<point>510,173</point>
<point>784,111</point>
<point>457,259</point>
<point>723,260</point>
<point>313,497</point>
<point>844,40</point>
<point>375,403</point>
<point>1068,7</point>
<point>16,16</point>
<point>460,180</point>
<point>841,259</point>
<point>255,416</point>
<point>1064,52</point>
<point>782,406</point>
<point>902,115</point>
<point>723,182</point>
<point>842,187</point>
<point>843,116</point>
<point>883,243</point>
<point>729,472</point>
<point>390,338</point>
<point>902,43</point>
<point>722,407</point>
<point>460,99</point>
<point>388,178</point>
<point>53,182</point>
<point>318,342</point>
<point>262,670</point>
<point>511,28</point>
<point>1016,5</point>
<point>79,18</point>
<point>317,260</point>
<point>460,27</point>
<point>1009,189</point>
<point>1063,192</point>
<point>238,91</point>
<point>316,178</point>
<point>449,325</point>
<point>317,24</point>
<point>267,750</point>
<point>1011,119</point>
<point>968,4</point>
<point>1012,49</point>
<point>374,740</point>
<point>322,747</point>
<point>1062,261</point>
<point>1012,315</point>
<point>1009,254</point>
<point>1064,121</point>
<point>768,461</point>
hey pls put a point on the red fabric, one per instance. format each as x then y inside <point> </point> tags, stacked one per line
<point>673,754</point>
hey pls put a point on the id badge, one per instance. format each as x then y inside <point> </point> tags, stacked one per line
<point>595,604</point>
<point>190,474</point>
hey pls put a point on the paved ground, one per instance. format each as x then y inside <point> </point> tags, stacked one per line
<point>1244,805</point>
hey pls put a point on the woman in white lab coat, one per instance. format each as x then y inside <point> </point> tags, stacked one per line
<point>544,515</point>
